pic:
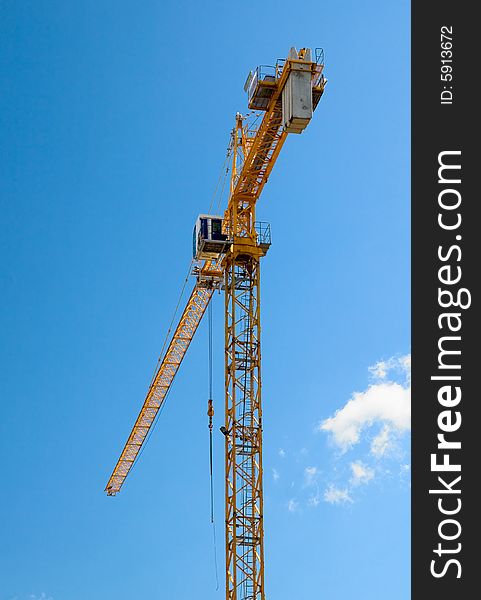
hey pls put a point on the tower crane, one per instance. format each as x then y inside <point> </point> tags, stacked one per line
<point>227,253</point>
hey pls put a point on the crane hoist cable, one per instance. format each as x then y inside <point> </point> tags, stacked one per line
<point>169,330</point>
<point>159,361</point>
<point>221,181</point>
<point>221,195</point>
<point>210,414</point>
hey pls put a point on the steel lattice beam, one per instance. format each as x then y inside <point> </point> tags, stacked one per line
<point>189,321</point>
<point>243,423</point>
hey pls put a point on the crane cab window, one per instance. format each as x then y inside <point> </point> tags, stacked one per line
<point>209,241</point>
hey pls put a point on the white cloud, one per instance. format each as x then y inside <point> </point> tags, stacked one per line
<point>405,473</point>
<point>386,402</point>
<point>361,473</point>
<point>379,415</point>
<point>282,453</point>
<point>292,505</point>
<point>382,443</point>
<point>335,495</point>
<point>275,474</point>
<point>405,363</point>
<point>379,370</point>
<point>310,475</point>
<point>395,364</point>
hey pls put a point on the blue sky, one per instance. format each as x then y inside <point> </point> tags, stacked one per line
<point>115,118</point>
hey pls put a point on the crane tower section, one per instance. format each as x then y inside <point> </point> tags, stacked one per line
<point>288,98</point>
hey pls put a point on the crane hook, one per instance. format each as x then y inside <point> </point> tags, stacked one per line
<point>210,412</point>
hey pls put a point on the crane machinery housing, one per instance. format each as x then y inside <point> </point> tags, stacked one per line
<point>226,256</point>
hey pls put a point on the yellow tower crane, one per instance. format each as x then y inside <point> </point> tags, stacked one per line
<point>227,253</point>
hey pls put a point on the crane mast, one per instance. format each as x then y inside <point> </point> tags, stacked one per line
<point>244,527</point>
<point>229,249</point>
<point>254,155</point>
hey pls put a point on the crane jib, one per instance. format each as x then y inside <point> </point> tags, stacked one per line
<point>185,330</point>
